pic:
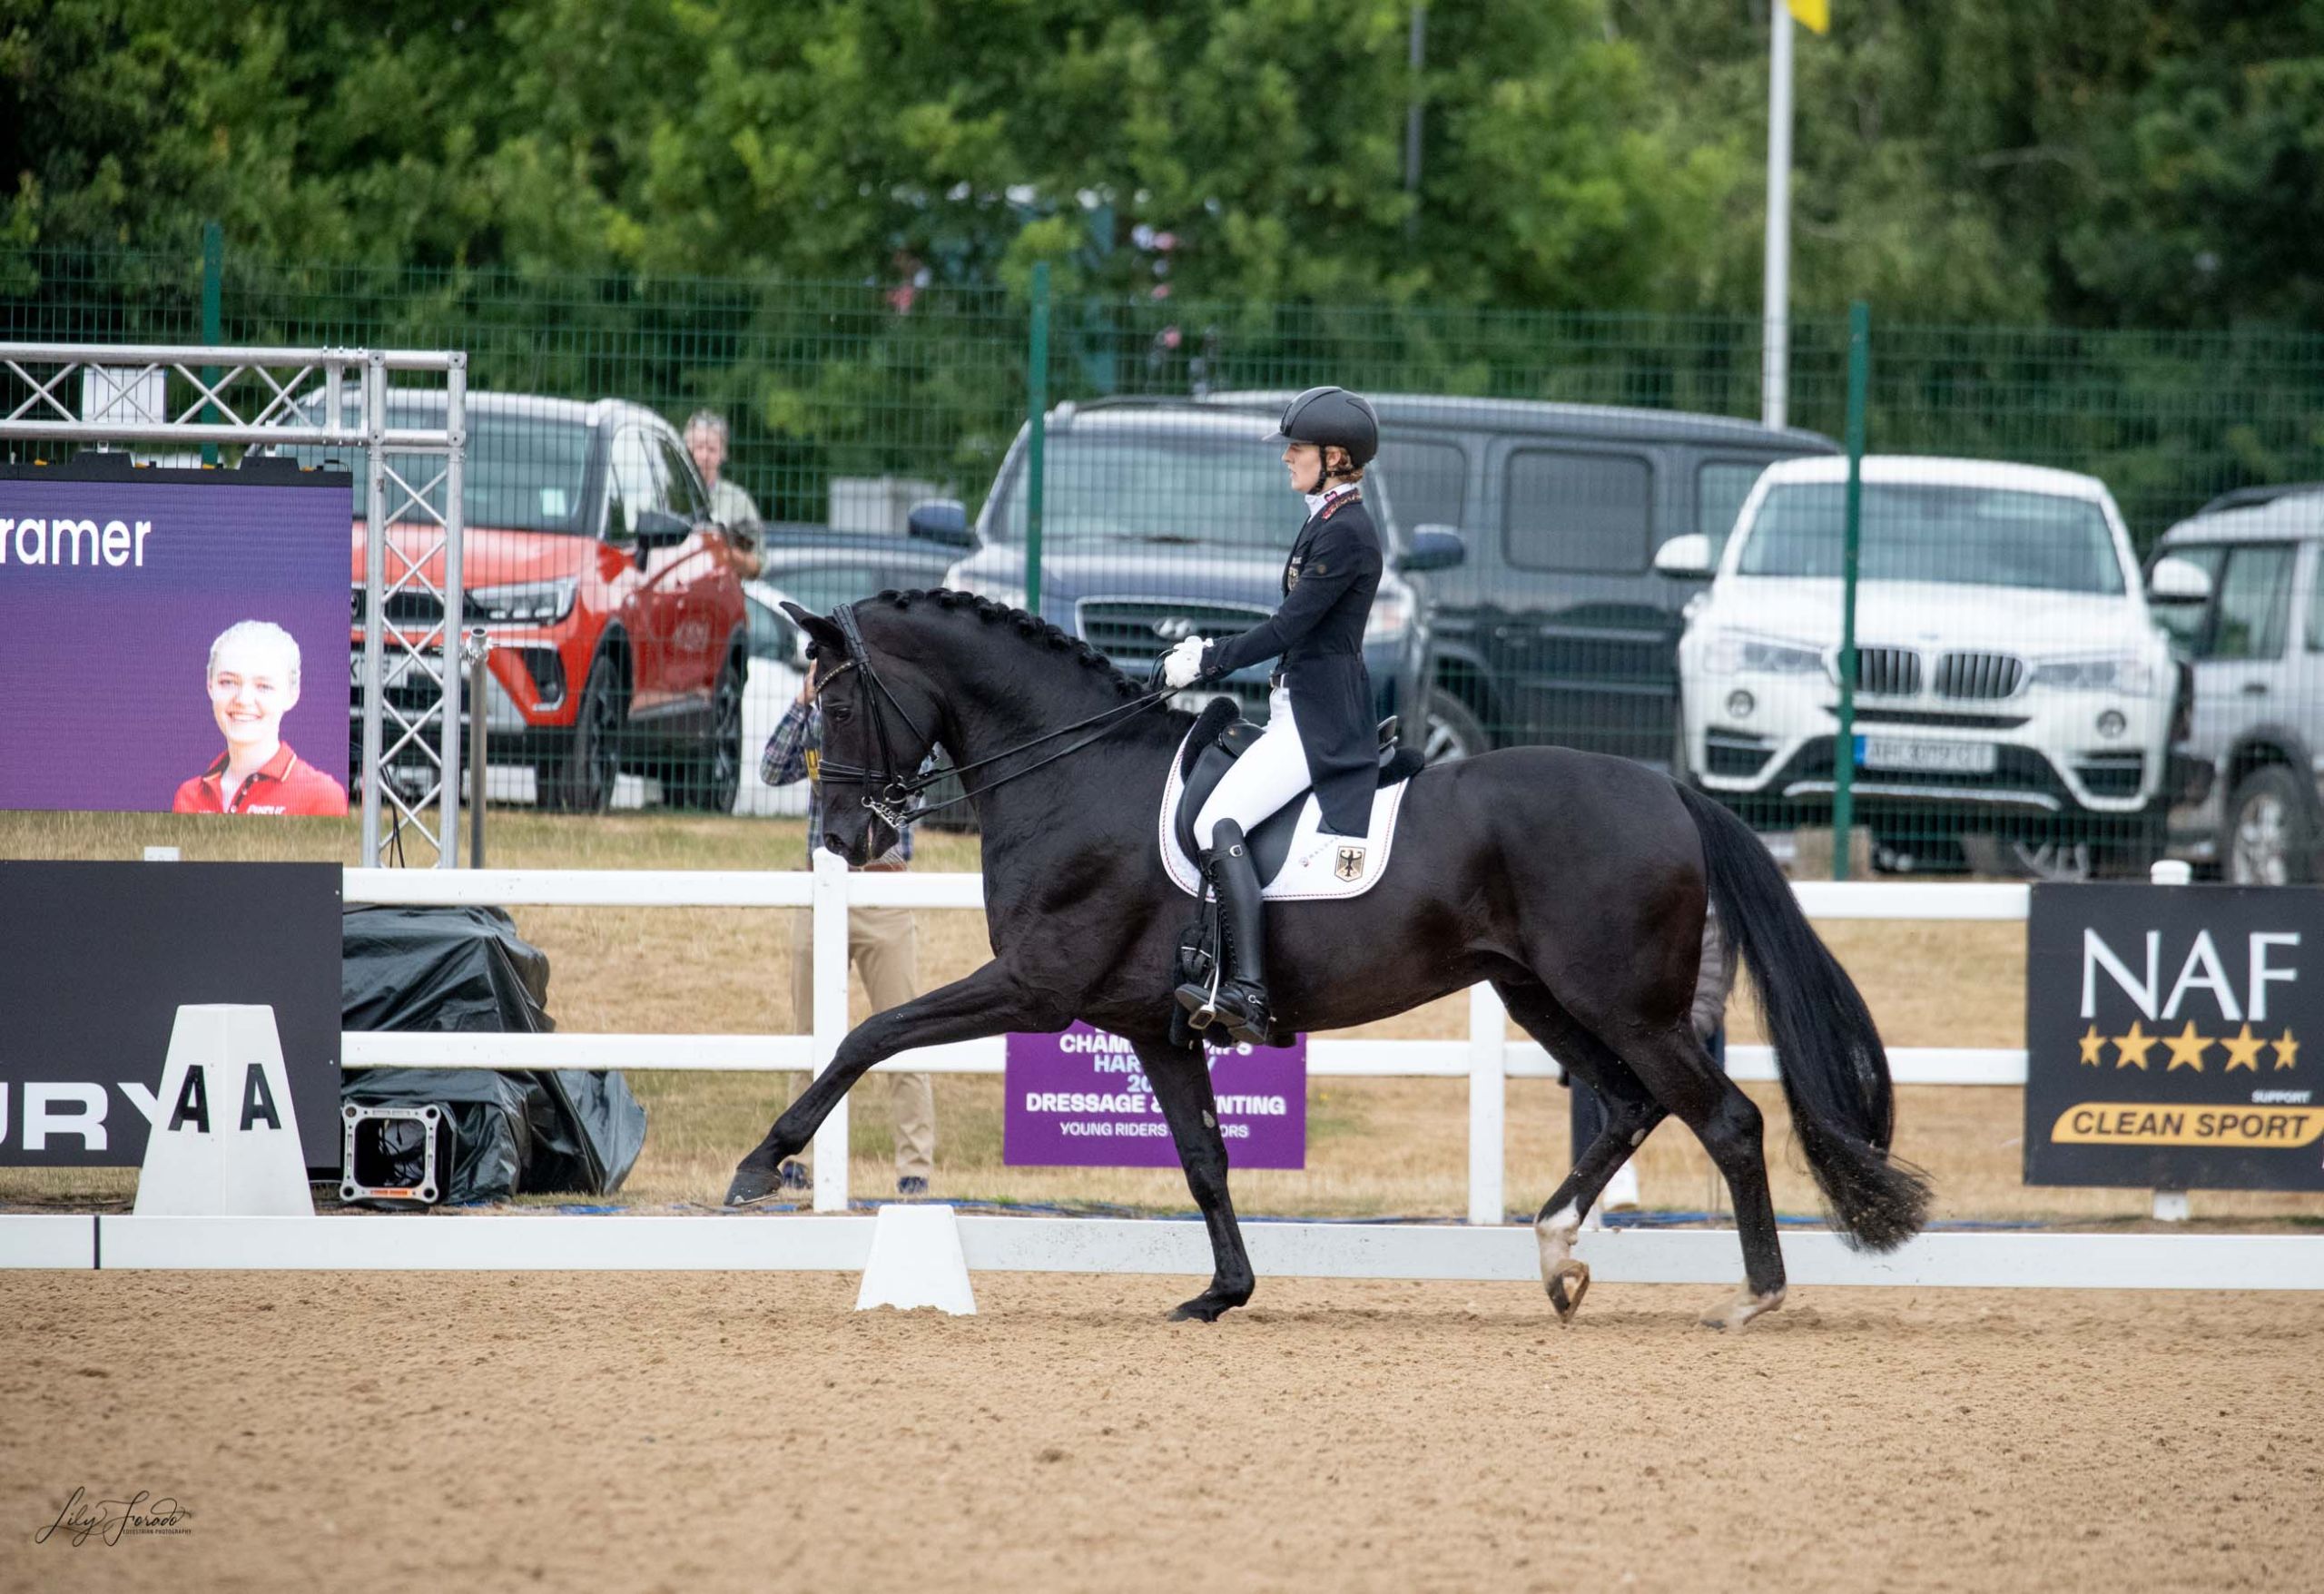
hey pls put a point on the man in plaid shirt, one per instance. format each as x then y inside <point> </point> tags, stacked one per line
<point>882,944</point>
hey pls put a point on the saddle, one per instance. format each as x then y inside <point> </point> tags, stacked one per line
<point>1220,736</point>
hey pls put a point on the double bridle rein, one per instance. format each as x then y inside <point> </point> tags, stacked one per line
<point>896,790</point>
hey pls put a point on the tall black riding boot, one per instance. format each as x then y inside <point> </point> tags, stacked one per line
<point>1240,999</point>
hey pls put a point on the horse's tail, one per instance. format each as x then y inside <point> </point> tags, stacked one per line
<point>1835,1070</point>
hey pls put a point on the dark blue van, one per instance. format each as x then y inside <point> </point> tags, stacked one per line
<point>1556,626</point>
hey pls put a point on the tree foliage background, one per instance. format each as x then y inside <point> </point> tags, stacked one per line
<point>2090,163</point>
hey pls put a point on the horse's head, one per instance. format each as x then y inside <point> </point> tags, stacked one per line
<point>879,723</point>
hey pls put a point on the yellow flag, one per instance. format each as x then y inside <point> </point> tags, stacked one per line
<point>1815,15</point>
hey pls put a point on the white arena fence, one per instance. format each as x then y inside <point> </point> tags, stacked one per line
<point>826,1244</point>
<point>1487,1249</point>
<point>1485,1059</point>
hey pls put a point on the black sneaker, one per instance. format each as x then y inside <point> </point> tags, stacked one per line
<point>911,1184</point>
<point>793,1175</point>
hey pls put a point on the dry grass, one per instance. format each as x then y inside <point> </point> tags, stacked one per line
<point>1375,1146</point>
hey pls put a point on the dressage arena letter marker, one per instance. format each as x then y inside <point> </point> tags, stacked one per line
<point>917,1261</point>
<point>224,1149</point>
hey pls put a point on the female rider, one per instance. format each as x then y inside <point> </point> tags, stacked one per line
<point>1320,731</point>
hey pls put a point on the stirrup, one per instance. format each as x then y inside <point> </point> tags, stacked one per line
<point>1206,1008</point>
<point>1198,1002</point>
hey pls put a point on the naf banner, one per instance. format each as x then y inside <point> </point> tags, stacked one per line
<point>2167,1034</point>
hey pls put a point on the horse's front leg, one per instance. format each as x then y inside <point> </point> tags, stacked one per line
<point>990,1001</point>
<point>1181,1081</point>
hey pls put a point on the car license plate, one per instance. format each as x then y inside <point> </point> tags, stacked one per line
<point>1921,755</point>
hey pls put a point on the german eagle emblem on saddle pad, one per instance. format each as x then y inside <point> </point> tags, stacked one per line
<point>1297,859</point>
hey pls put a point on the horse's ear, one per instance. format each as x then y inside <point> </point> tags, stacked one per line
<point>829,639</point>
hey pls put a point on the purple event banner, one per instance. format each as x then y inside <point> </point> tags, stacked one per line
<point>112,593</point>
<point>1081,1099</point>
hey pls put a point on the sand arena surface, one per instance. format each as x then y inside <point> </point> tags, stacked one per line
<point>709,1432</point>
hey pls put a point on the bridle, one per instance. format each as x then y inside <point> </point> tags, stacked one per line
<point>895,789</point>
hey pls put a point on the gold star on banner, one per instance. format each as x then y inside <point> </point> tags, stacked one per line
<point>2130,1049</point>
<point>2093,1046</point>
<point>2187,1048</point>
<point>2287,1049</point>
<point>2242,1050</point>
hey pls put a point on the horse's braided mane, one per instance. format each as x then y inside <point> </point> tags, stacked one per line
<point>1031,627</point>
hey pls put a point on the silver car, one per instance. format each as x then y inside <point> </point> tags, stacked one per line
<point>2257,644</point>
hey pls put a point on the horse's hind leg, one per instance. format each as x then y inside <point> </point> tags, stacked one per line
<point>1673,1064</point>
<point>1630,1114</point>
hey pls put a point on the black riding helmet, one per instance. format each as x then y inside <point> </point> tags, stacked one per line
<point>1332,418</point>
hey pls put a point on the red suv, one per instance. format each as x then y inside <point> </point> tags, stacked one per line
<point>620,635</point>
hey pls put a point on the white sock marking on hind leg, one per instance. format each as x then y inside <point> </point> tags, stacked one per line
<point>1554,1233</point>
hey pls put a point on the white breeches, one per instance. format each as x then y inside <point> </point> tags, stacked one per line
<point>1271,774</point>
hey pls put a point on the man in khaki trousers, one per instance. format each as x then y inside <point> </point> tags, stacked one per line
<point>883,945</point>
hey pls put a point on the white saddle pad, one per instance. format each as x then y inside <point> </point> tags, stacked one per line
<point>1321,866</point>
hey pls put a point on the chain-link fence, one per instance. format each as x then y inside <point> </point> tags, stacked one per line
<point>1590,540</point>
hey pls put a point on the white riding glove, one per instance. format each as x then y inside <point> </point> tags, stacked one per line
<point>1183,663</point>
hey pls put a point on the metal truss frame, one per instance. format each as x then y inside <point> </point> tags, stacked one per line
<point>261,397</point>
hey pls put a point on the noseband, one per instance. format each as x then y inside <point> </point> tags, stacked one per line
<point>896,790</point>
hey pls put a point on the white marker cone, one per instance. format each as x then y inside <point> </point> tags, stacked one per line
<point>224,1143</point>
<point>917,1261</point>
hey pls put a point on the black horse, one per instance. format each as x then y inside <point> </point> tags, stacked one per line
<point>1576,883</point>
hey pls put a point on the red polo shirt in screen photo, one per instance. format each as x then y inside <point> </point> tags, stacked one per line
<point>285,784</point>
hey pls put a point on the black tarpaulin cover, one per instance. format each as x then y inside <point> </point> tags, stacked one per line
<point>467,970</point>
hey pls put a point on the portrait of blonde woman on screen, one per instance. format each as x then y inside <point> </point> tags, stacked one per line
<point>253,681</point>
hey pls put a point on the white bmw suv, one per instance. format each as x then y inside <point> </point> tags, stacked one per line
<point>2011,682</point>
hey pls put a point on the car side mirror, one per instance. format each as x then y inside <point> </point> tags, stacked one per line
<point>2177,581</point>
<point>775,638</point>
<point>1685,557</point>
<point>658,528</point>
<point>944,521</point>
<point>1435,547</point>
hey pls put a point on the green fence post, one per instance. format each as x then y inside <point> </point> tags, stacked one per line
<point>214,317</point>
<point>1851,540</point>
<point>1036,404</point>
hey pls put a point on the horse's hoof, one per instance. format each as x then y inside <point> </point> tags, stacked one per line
<point>1204,1308</point>
<point>1567,1286</point>
<point>1742,1309</point>
<point>751,1185</point>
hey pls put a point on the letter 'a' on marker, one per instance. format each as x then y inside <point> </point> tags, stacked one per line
<point>194,1103</point>
<point>258,1102</point>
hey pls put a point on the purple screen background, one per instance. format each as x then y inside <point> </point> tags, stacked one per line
<point>104,704</point>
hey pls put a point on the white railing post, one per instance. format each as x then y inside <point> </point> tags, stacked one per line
<point>828,1023</point>
<point>1488,1092</point>
<point>2171,1206</point>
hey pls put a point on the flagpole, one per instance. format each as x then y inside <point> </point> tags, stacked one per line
<point>1775,356</point>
